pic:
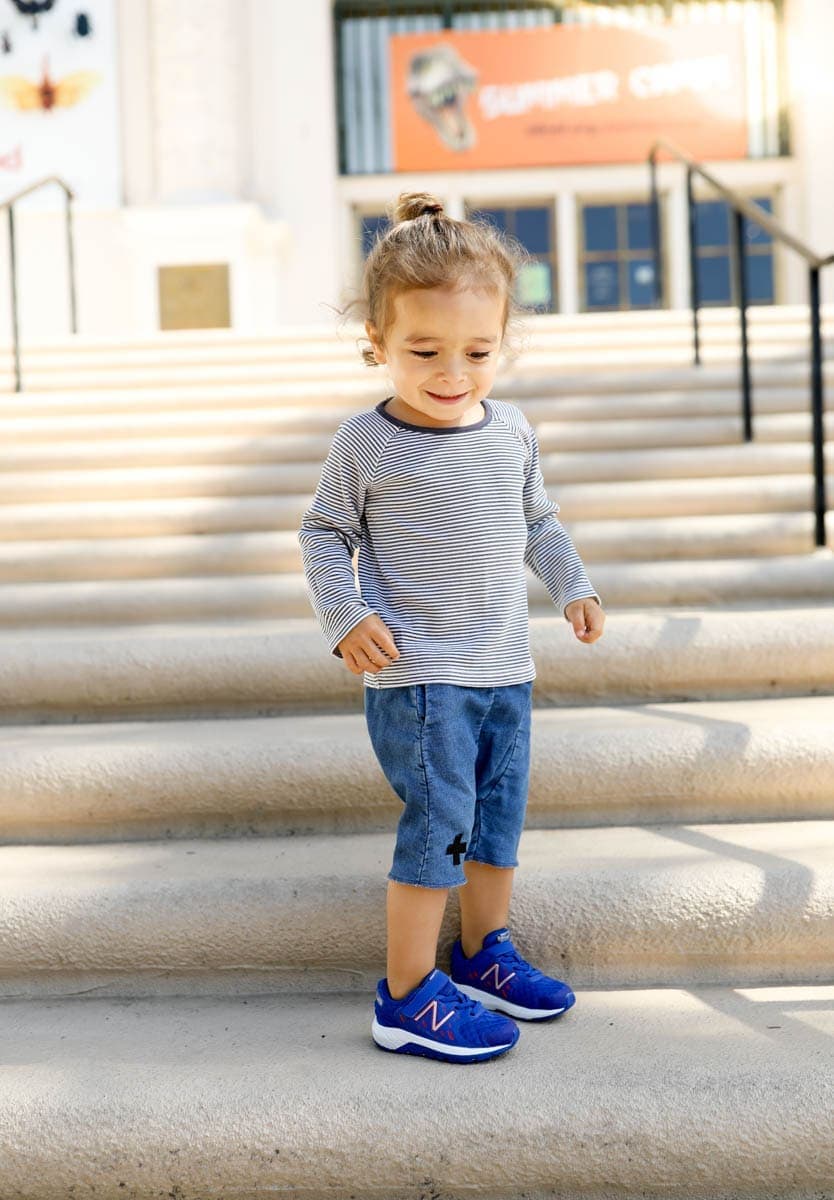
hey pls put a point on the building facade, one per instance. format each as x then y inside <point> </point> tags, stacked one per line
<point>258,144</point>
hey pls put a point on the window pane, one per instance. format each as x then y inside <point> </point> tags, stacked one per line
<point>758,272</point>
<point>496,216</point>
<point>641,284</point>
<point>600,227</point>
<point>371,227</point>
<point>639,227</point>
<point>535,286</point>
<point>532,228</point>
<point>754,235</point>
<point>602,285</point>
<point>714,279</point>
<point>712,225</point>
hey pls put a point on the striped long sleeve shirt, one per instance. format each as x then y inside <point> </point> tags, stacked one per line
<point>445,521</point>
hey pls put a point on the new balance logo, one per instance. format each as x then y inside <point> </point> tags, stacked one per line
<point>435,1024</point>
<point>499,983</point>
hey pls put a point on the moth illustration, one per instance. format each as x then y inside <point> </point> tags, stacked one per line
<point>33,8</point>
<point>22,94</point>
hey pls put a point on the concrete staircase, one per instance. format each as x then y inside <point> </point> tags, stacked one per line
<point>195,834</point>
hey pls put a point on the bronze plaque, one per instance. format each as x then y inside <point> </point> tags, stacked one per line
<point>194,297</point>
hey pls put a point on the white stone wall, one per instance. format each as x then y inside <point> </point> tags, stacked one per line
<point>810,44</point>
<point>196,52</point>
<point>294,152</point>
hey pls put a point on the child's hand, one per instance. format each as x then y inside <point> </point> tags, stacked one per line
<point>369,646</point>
<point>587,618</point>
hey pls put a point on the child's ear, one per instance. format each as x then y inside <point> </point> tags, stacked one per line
<point>373,337</point>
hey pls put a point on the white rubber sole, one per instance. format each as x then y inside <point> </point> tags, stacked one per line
<point>395,1039</point>
<point>513,1010</point>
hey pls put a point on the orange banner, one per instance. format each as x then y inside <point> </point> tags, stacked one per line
<point>561,95</point>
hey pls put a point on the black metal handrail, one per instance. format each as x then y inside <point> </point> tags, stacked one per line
<point>9,204</point>
<point>743,208</point>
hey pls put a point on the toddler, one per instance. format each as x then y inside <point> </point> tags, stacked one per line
<point>439,487</point>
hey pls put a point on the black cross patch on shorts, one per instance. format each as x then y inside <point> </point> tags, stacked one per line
<point>457,849</point>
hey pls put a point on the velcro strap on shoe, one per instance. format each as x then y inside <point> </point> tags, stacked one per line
<point>427,991</point>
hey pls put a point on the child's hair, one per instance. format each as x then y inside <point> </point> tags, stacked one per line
<point>425,248</point>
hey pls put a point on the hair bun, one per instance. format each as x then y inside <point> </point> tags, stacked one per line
<point>411,205</point>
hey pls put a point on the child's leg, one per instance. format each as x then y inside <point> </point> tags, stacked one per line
<point>415,915</point>
<point>502,781</point>
<point>484,903</point>
<point>425,739</point>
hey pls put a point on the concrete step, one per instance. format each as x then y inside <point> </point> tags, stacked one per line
<point>261,668</point>
<point>277,435</point>
<point>27,410</point>
<point>276,425</point>
<point>695,388</point>
<point>288,490</point>
<point>342,351</point>
<point>318,334</point>
<point>123,483</point>
<point>215,536</point>
<point>99,539</point>
<point>578,351</point>
<point>642,433</point>
<point>146,452</point>
<point>740,582</point>
<point>745,904</point>
<point>672,463</point>
<point>543,377</point>
<point>149,601</point>
<point>326,341</point>
<point>667,462</point>
<point>715,1092</point>
<point>664,498</point>
<point>734,760</point>
<point>620,343</point>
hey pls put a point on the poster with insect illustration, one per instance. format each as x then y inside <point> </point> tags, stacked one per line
<point>59,103</point>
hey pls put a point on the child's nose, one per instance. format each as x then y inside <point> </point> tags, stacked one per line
<point>453,367</point>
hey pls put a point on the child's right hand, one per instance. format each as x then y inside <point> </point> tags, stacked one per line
<point>369,646</point>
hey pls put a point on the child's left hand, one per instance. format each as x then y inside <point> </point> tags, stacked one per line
<point>587,618</point>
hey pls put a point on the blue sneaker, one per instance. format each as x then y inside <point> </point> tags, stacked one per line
<point>438,1021</point>
<point>501,979</point>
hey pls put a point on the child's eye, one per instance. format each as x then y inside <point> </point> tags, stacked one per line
<point>477,354</point>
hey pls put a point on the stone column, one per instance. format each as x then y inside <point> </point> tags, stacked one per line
<point>810,38</point>
<point>196,66</point>
<point>293,166</point>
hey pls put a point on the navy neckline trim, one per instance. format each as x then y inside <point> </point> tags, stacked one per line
<point>485,420</point>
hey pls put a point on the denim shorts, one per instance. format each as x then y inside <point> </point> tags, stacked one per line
<point>459,759</point>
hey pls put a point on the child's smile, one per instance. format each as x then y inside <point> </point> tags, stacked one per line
<point>441,351</point>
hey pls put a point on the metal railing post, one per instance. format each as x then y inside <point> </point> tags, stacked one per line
<point>13,274</point>
<point>71,264</point>
<point>817,404</point>
<point>694,298</point>
<point>741,292</point>
<point>743,208</point>
<point>9,205</point>
<point>657,249</point>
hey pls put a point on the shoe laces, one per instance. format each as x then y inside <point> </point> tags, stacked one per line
<point>463,1003</point>
<point>508,954</point>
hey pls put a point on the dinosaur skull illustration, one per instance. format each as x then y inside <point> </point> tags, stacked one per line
<point>438,84</point>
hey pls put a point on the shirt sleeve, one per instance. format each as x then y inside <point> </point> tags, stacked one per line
<point>331,530</point>
<point>550,553</point>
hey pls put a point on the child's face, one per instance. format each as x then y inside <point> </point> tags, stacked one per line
<point>456,356</point>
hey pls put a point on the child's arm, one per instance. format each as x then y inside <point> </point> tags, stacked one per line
<point>550,553</point>
<point>331,530</point>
